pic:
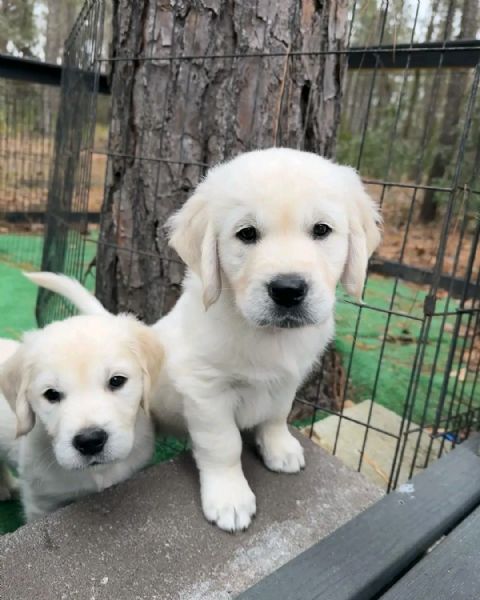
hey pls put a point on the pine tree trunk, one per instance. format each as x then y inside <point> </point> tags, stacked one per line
<point>172,116</point>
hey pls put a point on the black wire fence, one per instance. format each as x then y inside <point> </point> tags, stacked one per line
<point>400,385</point>
<point>68,198</point>
<point>29,109</point>
<point>26,146</point>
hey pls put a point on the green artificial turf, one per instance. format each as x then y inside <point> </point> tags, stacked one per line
<point>17,303</point>
<point>11,517</point>
<point>23,252</point>
<point>17,294</point>
<point>395,363</point>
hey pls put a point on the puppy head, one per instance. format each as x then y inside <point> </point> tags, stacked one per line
<point>84,379</point>
<point>278,229</point>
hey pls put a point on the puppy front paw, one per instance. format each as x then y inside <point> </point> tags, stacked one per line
<point>280,451</point>
<point>227,500</point>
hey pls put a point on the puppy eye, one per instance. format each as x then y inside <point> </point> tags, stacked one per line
<point>248,235</point>
<point>52,395</point>
<point>116,382</point>
<point>321,230</point>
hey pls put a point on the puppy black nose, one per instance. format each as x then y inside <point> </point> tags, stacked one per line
<point>90,441</point>
<point>287,290</point>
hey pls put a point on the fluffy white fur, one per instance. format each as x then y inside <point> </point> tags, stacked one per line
<point>8,483</point>
<point>7,348</point>
<point>232,364</point>
<point>234,361</point>
<point>77,357</point>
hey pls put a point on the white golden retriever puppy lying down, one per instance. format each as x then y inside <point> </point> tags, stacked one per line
<point>80,390</point>
<point>266,238</point>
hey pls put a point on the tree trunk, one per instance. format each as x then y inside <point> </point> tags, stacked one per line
<point>434,93</point>
<point>171,116</point>
<point>450,127</point>
<point>413,98</point>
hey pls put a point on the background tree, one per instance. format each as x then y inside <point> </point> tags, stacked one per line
<point>60,16</point>
<point>36,28</point>
<point>458,83</point>
<point>17,27</point>
<point>415,87</point>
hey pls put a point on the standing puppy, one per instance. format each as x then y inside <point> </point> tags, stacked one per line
<point>266,238</point>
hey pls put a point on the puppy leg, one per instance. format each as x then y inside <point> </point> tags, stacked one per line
<point>36,506</point>
<point>8,483</point>
<point>279,449</point>
<point>227,499</point>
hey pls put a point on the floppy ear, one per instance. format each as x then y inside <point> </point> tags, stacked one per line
<point>364,236</point>
<point>192,236</point>
<point>151,355</point>
<point>14,378</point>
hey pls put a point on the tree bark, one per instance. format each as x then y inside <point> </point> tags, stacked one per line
<point>171,116</point>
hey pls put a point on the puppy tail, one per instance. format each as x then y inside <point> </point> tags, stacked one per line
<point>71,289</point>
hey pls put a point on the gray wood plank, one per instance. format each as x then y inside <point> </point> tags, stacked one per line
<point>363,557</point>
<point>451,570</point>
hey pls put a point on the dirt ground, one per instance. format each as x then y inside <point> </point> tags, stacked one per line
<point>417,244</point>
<point>24,176</point>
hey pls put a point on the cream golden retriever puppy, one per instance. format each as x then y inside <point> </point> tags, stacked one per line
<point>266,238</point>
<point>80,390</point>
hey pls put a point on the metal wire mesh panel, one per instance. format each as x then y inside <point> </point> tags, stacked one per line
<point>412,347</point>
<point>400,384</point>
<point>26,140</point>
<point>68,195</point>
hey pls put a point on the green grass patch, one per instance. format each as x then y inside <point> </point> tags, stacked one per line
<point>24,251</point>
<point>17,294</point>
<point>382,361</point>
<point>17,302</point>
<point>11,516</point>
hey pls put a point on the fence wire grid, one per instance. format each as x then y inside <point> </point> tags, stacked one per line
<point>26,148</point>
<point>400,385</point>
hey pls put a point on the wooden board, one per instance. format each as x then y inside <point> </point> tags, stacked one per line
<point>451,570</point>
<point>364,557</point>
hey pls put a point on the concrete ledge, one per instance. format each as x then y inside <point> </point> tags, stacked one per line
<point>380,448</point>
<point>147,539</point>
